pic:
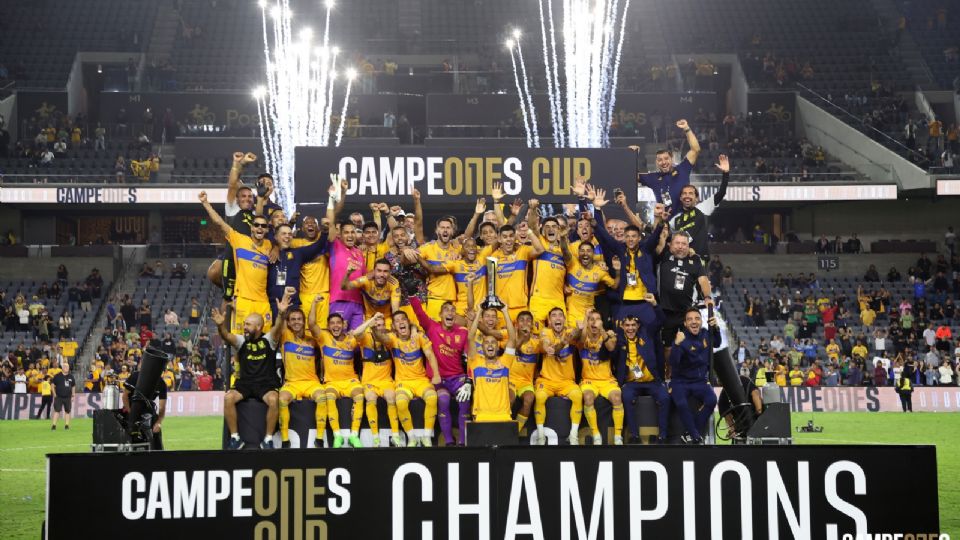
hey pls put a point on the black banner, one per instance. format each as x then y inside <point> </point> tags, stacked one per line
<point>445,175</point>
<point>504,109</point>
<point>536,492</point>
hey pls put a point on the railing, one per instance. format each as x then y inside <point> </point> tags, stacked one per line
<point>853,120</point>
<point>183,251</point>
<point>793,176</point>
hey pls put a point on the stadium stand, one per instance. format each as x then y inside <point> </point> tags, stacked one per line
<point>39,40</point>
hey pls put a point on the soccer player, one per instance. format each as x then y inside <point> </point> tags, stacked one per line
<point>635,362</point>
<point>340,379</point>
<point>449,342</point>
<point>584,281</point>
<point>377,381</point>
<point>549,267</point>
<point>380,290</point>
<point>693,214</point>
<point>557,376</point>
<point>490,373</point>
<point>524,368</point>
<point>689,366</point>
<point>300,380</point>
<point>314,274</point>
<point>441,288</point>
<point>409,350</point>
<point>239,211</point>
<point>250,257</point>
<point>343,252</point>
<point>512,260</point>
<point>597,375</point>
<point>372,246</point>
<point>469,273</point>
<point>256,373</point>
<point>667,181</point>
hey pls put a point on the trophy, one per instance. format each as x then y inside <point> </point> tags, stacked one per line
<point>492,301</point>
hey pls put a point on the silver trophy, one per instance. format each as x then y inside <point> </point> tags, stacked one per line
<point>492,301</point>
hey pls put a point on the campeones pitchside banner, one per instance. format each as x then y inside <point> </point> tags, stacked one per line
<point>804,492</point>
<point>800,398</point>
<point>444,175</point>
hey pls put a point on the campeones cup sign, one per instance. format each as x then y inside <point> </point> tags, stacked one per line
<point>444,175</point>
<point>812,492</point>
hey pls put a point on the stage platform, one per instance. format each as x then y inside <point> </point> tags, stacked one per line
<point>550,492</point>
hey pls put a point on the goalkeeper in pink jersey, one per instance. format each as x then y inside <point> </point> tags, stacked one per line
<point>449,344</point>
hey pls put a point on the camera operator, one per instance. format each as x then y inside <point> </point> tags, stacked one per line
<point>156,414</point>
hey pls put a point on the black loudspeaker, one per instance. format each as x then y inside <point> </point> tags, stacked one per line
<point>151,369</point>
<point>774,423</point>
<point>492,434</point>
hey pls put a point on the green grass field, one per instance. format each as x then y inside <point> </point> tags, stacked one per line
<point>23,445</point>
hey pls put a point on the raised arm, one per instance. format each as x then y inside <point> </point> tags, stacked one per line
<point>691,140</point>
<point>425,321</point>
<point>632,218</point>
<point>511,329</point>
<point>536,246</point>
<point>312,318</point>
<point>337,191</point>
<point>283,305</point>
<point>262,201</point>
<point>240,160</point>
<point>358,331</point>
<point>214,216</point>
<point>472,334</point>
<point>418,218</point>
<point>346,284</point>
<point>533,215</point>
<point>478,212</point>
<point>608,244</point>
<point>220,319</point>
<point>497,194</point>
<point>723,163</point>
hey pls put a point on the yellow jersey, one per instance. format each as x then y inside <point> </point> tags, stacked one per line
<point>512,276</point>
<point>299,358</point>
<point>549,270</point>
<point>251,262</point>
<point>372,253</point>
<point>594,367</point>
<point>46,389</point>
<point>523,368</point>
<point>315,274</point>
<point>638,290</point>
<point>491,388</point>
<point>337,357</point>
<point>376,298</point>
<point>460,269</point>
<point>373,371</point>
<point>408,358</point>
<point>167,378</point>
<point>636,363</point>
<point>558,366</point>
<point>440,286</point>
<point>586,285</point>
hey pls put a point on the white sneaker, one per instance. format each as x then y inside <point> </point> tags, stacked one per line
<point>539,438</point>
<point>618,440</point>
<point>573,439</point>
<point>597,440</point>
<point>426,442</point>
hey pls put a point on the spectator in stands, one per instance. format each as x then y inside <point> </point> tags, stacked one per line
<point>120,168</point>
<point>95,282</point>
<point>60,149</point>
<point>946,374</point>
<point>893,276</point>
<point>46,158</point>
<point>879,374</point>
<point>128,312</point>
<point>179,271</point>
<point>146,271</point>
<point>194,311</point>
<point>65,324</point>
<point>171,321</point>
<point>85,298</point>
<point>158,269</point>
<point>872,276</point>
<point>145,314</point>
<point>204,381</point>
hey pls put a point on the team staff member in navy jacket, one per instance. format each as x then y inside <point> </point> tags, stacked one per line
<point>689,367</point>
<point>639,373</point>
